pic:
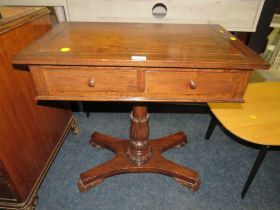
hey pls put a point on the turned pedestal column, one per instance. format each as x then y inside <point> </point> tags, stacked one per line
<point>139,150</point>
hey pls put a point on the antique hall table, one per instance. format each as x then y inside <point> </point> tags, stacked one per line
<point>139,63</point>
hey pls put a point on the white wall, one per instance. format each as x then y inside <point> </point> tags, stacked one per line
<point>234,15</point>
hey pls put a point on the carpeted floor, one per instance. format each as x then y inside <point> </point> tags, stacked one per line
<point>223,165</point>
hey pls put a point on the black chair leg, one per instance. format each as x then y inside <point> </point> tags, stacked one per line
<point>211,127</point>
<point>254,170</point>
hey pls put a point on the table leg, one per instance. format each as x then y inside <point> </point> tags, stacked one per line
<point>138,155</point>
<point>253,172</point>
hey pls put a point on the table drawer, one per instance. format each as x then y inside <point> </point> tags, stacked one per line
<point>83,80</point>
<point>145,84</point>
<point>206,84</point>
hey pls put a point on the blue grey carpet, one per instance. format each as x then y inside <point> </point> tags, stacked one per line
<point>223,165</point>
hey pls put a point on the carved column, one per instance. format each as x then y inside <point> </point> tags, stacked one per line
<point>139,151</point>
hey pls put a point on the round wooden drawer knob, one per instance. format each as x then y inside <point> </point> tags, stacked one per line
<point>91,82</point>
<point>192,84</point>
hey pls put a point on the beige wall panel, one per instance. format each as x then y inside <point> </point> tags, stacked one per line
<point>234,15</point>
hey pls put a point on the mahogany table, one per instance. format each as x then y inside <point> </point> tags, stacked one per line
<point>139,63</point>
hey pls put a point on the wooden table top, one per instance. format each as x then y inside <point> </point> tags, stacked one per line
<point>258,119</point>
<point>146,45</point>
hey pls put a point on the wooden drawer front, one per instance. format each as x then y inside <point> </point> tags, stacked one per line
<point>209,84</point>
<point>86,80</point>
<point>145,84</point>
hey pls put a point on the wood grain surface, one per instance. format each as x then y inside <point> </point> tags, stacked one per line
<point>160,45</point>
<point>29,133</point>
<point>15,16</point>
<point>138,84</point>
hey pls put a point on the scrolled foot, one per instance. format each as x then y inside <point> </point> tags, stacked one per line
<point>193,186</point>
<point>85,187</point>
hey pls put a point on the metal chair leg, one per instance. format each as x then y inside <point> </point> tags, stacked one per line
<point>211,127</point>
<point>257,163</point>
